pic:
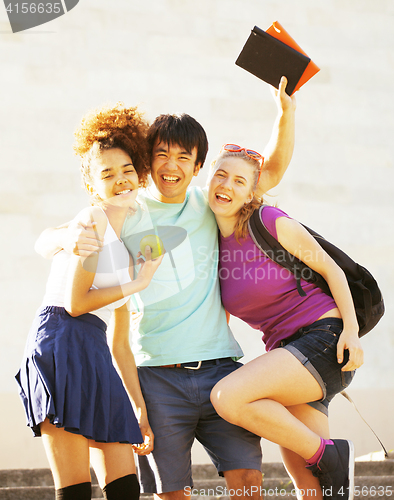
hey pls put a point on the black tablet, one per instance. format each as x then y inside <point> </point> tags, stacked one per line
<point>269,59</point>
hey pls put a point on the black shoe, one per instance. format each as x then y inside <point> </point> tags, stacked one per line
<point>335,470</point>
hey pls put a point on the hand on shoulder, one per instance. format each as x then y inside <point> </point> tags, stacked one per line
<point>85,232</point>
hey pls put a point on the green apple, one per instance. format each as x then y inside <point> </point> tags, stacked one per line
<point>154,242</point>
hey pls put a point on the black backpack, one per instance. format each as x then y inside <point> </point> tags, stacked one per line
<point>367,297</point>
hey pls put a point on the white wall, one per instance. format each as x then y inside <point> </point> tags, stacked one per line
<point>178,55</point>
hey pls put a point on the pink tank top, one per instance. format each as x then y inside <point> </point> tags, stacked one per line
<point>264,294</point>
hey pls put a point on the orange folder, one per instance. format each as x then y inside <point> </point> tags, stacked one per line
<point>277,31</point>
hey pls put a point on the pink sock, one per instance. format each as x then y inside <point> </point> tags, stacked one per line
<point>317,456</point>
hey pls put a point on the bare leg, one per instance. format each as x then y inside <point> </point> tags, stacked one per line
<point>111,461</point>
<point>302,478</point>
<point>68,455</point>
<point>245,483</point>
<point>256,396</point>
<point>243,480</point>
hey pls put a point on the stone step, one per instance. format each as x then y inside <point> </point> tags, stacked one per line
<point>383,468</point>
<point>25,477</point>
<point>38,493</point>
<point>43,477</point>
<point>217,488</point>
<point>367,488</point>
<point>374,479</point>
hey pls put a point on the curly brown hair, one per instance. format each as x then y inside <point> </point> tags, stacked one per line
<point>113,127</point>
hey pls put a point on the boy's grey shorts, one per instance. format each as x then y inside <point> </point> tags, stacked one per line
<point>180,410</point>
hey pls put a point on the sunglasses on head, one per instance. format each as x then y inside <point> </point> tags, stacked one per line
<point>237,149</point>
<point>252,154</point>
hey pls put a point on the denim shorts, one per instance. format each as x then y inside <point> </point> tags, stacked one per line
<point>315,346</point>
<point>179,411</point>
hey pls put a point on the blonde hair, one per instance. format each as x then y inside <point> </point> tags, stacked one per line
<point>241,226</point>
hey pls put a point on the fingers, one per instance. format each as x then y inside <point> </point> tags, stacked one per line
<point>135,317</point>
<point>147,446</point>
<point>282,85</point>
<point>340,350</point>
<point>148,257</point>
<point>90,233</point>
<point>148,253</point>
<point>85,239</point>
<point>356,355</point>
<point>281,88</point>
<point>356,359</point>
<point>139,449</point>
<point>86,250</point>
<point>149,440</point>
<point>282,99</point>
<point>135,320</point>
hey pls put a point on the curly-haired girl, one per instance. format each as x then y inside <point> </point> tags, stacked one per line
<point>73,395</point>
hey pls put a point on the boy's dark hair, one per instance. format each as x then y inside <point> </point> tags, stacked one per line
<point>179,129</point>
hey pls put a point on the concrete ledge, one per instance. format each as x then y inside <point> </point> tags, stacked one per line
<point>37,493</point>
<point>30,477</point>
<point>24,477</point>
<point>373,479</point>
<point>43,477</point>
<point>377,456</point>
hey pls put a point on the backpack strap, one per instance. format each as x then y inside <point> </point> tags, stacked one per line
<point>367,297</point>
<point>271,247</point>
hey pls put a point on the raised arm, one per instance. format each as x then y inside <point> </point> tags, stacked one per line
<point>279,149</point>
<point>296,240</point>
<point>74,237</point>
<point>50,241</point>
<point>118,341</point>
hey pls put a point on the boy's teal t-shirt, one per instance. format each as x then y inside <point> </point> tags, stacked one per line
<point>183,316</point>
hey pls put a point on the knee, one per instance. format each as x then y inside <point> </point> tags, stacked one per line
<point>80,491</point>
<point>248,479</point>
<point>252,477</point>
<point>124,488</point>
<point>215,396</point>
<point>221,401</point>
